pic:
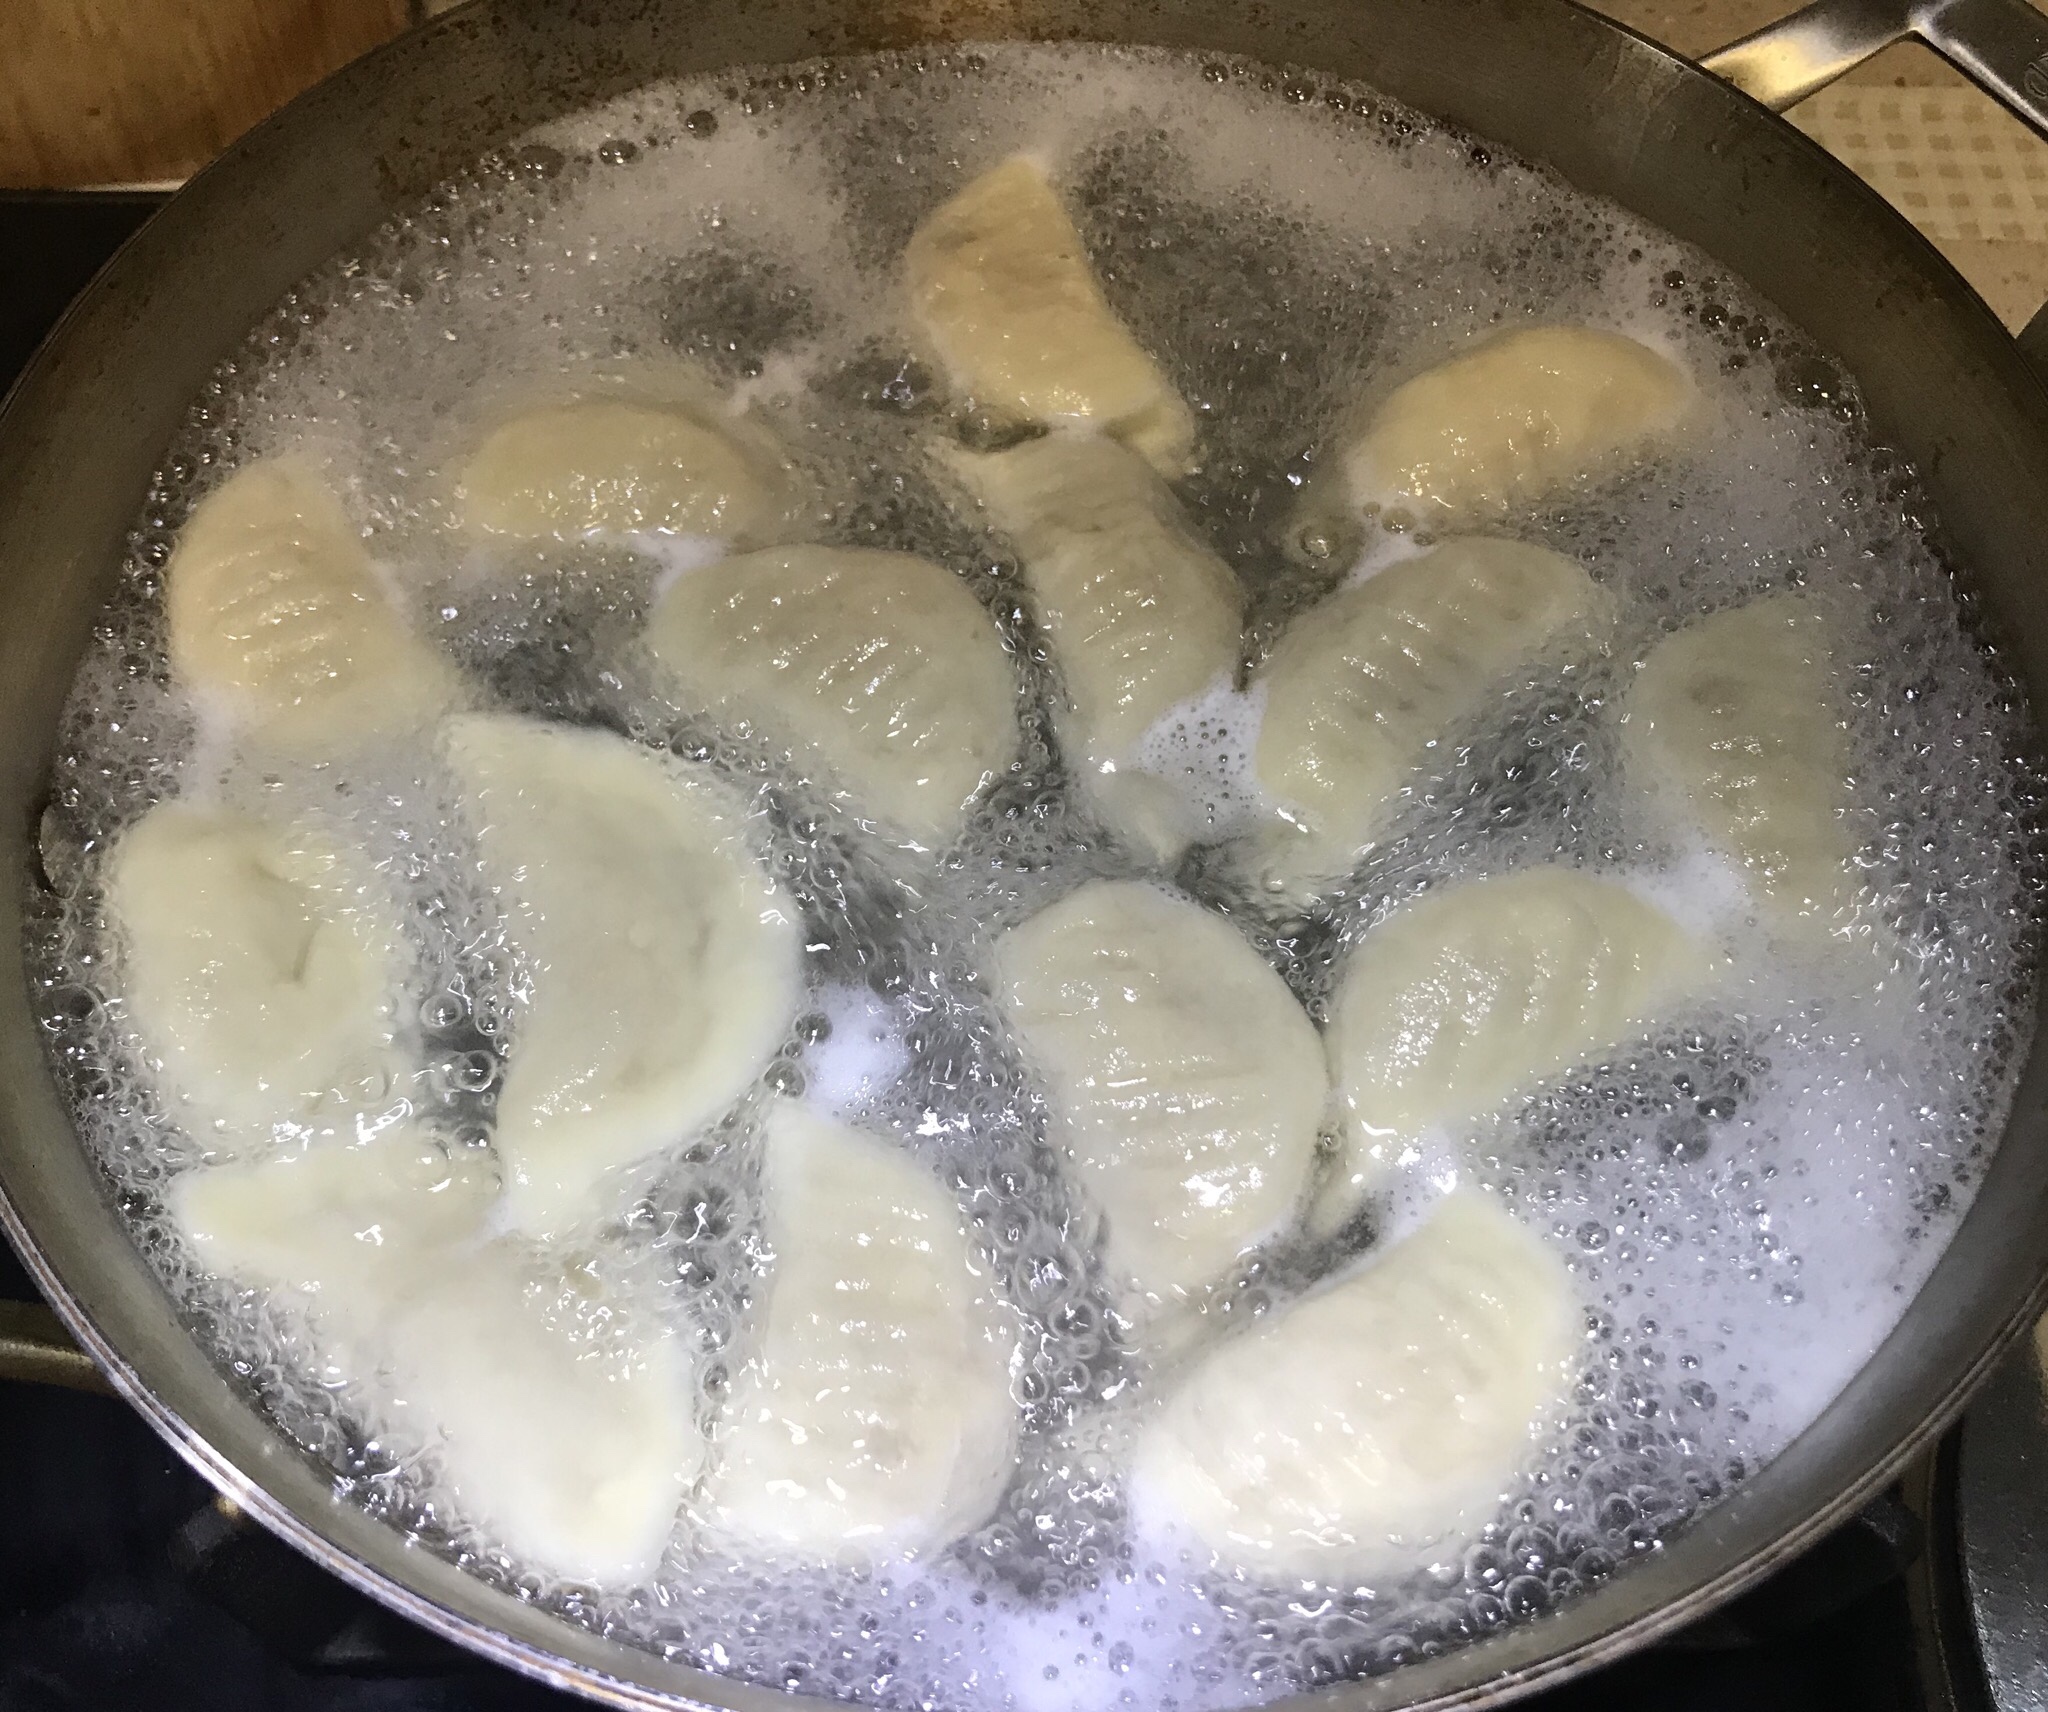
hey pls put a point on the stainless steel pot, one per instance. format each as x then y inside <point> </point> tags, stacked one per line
<point>1613,113</point>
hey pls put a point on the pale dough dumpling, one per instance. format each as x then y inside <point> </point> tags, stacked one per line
<point>880,666</point>
<point>1186,1084</point>
<point>664,962</point>
<point>1485,988</point>
<point>1735,715</point>
<point>1000,284</point>
<point>1514,418</point>
<point>1379,1419</point>
<point>617,466</point>
<point>263,965</point>
<point>1142,614</point>
<point>557,1408</point>
<point>274,608</point>
<point>874,1419</point>
<point>348,1226</point>
<point>1360,686</point>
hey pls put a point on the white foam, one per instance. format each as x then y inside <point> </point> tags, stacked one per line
<point>861,1057</point>
<point>1747,1200</point>
<point>677,555</point>
<point>1208,746</point>
<point>1382,551</point>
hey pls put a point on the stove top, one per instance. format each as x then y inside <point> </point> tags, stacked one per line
<point>124,1584</point>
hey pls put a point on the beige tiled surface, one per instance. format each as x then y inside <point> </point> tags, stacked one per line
<point>1951,160</point>
<point>1960,169</point>
<point>1953,165</point>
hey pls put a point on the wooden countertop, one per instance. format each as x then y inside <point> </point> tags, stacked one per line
<point>98,92</point>
<point>137,91</point>
<point>132,91</point>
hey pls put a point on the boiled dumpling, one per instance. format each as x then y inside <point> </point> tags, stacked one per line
<point>273,606</point>
<point>620,467</point>
<point>1734,714</point>
<point>1515,418</point>
<point>1379,1419</point>
<point>557,1409</point>
<point>880,666</point>
<point>1361,686</point>
<point>1186,1084</point>
<point>874,1419</point>
<point>664,962</point>
<point>1000,284</point>
<point>349,1227</point>
<point>1142,614</point>
<point>263,965</point>
<point>1477,991</point>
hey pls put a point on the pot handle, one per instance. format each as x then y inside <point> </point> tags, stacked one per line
<point>1999,45</point>
<point>35,1348</point>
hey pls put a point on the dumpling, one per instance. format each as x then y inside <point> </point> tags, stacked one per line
<point>555,1407</point>
<point>621,467</point>
<point>273,606</point>
<point>263,965</point>
<point>1142,614</point>
<point>664,962</point>
<point>1479,990</point>
<point>882,667</point>
<point>1000,284</point>
<point>1734,714</point>
<point>1379,1419</point>
<point>1514,418</point>
<point>874,1419</point>
<point>1361,686</point>
<point>1186,1084</point>
<point>349,1227</point>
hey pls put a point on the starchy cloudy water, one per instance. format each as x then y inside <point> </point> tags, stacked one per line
<point>1746,1200</point>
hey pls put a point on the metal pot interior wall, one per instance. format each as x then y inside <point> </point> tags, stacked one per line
<point>1613,114</point>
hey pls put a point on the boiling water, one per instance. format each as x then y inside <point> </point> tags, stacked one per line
<point>1747,1201</point>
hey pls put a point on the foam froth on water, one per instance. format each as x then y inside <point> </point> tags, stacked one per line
<point>1747,1200</point>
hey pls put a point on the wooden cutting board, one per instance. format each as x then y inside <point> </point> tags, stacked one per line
<point>132,91</point>
<point>97,92</point>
